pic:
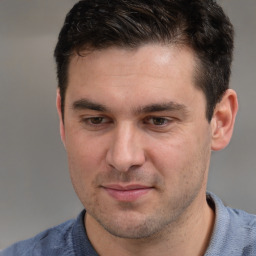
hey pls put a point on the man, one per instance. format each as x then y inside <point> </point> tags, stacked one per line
<point>143,99</point>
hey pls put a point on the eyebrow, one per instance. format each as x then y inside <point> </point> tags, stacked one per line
<point>87,104</point>
<point>155,107</point>
<point>160,107</point>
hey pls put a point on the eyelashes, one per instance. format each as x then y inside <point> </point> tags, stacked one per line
<point>103,122</point>
<point>157,121</point>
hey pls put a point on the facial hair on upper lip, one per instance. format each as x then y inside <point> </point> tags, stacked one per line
<point>130,177</point>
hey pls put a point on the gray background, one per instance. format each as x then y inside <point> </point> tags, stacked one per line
<point>35,191</point>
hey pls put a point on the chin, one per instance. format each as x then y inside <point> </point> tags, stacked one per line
<point>133,226</point>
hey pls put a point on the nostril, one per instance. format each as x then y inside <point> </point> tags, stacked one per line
<point>125,161</point>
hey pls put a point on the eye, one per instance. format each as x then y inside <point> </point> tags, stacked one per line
<point>157,121</point>
<point>95,121</point>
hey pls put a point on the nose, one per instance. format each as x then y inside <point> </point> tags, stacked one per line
<point>126,149</point>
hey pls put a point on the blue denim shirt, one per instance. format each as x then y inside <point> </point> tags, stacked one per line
<point>234,235</point>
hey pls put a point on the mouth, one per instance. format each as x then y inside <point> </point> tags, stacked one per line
<point>128,193</point>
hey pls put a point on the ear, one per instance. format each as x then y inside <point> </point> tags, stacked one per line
<point>62,128</point>
<point>223,120</point>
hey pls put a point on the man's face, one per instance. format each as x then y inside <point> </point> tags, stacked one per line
<point>137,138</point>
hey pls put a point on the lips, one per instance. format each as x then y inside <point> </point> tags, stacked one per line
<point>127,193</point>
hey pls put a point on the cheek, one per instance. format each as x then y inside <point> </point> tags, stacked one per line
<point>85,160</point>
<point>170,153</point>
<point>83,167</point>
<point>181,159</point>
<point>82,149</point>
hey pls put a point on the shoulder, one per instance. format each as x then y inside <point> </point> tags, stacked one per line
<point>242,226</point>
<point>238,222</point>
<point>48,242</point>
<point>234,231</point>
<point>245,219</point>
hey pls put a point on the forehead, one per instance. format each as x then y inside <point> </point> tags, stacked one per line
<point>148,73</point>
<point>149,58</point>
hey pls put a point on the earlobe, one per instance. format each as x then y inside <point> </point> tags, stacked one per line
<point>58,106</point>
<point>223,120</point>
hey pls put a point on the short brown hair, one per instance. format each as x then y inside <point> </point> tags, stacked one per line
<point>199,24</point>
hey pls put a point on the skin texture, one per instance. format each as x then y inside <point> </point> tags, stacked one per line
<point>139,146</point>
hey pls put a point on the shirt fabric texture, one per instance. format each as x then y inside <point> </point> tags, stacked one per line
<point>234,235</point>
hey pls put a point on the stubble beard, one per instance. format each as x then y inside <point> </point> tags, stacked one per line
<point>130,224</point>
<point>165,218</point>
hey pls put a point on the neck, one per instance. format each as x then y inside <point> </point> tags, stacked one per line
<point>188,236</point>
